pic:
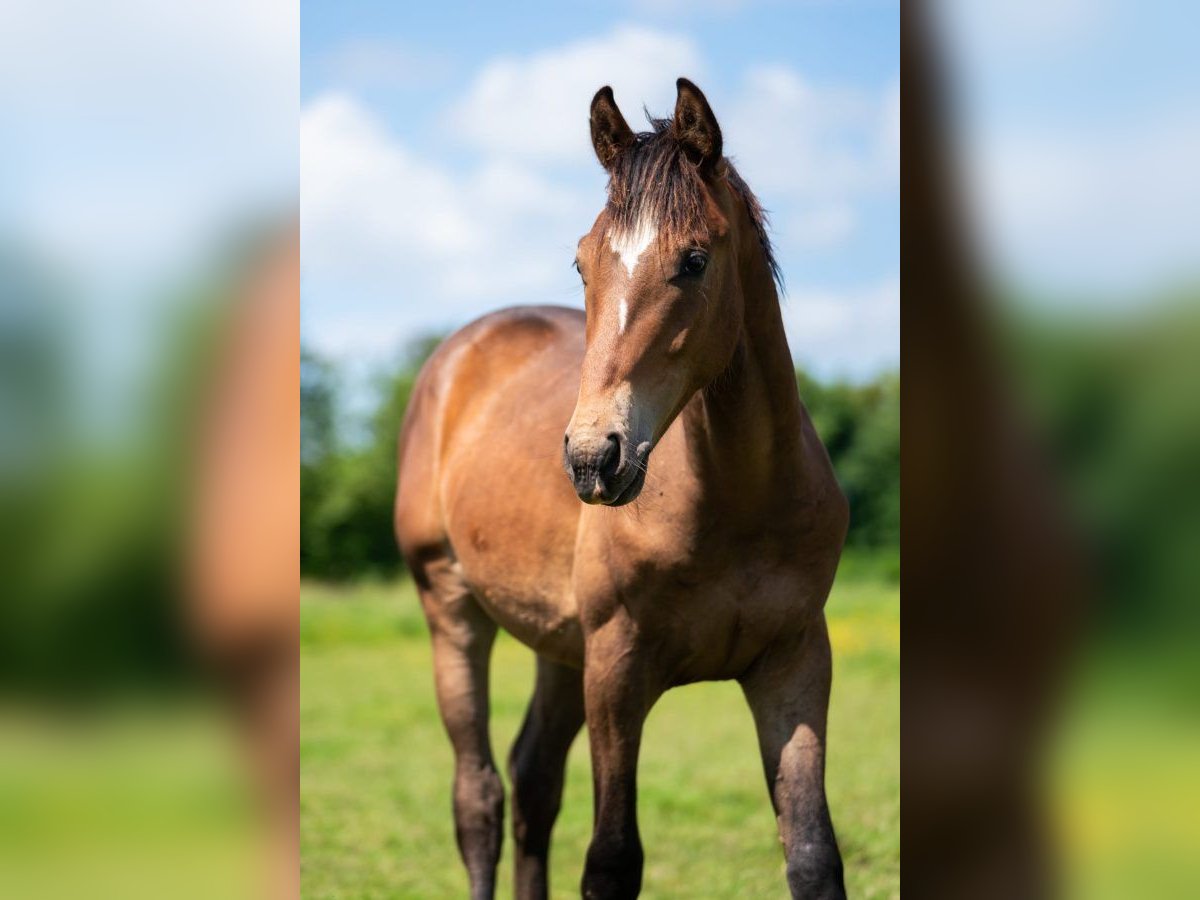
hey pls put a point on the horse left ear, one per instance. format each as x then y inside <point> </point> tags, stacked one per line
<point>696,128</point>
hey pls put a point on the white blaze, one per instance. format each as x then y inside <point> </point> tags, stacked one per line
<point>632,244</point>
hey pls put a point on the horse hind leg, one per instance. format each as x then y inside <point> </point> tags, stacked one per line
<point>463,635</point>
<point>537,768</point>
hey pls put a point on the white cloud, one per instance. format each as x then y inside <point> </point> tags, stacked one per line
<point>890,139</point>
<point>1017,28</point>
<point>397,242</point>
<point>691,7</point>
<point>138,144</point>
<point>1080,140</point>
<point>824,225</point>
<point>536,107</point>
<point>138,135</point>
<point>371,62</point>
<point>370,205</point>
<point>1108,213</point>
<point>790,135</point>
<point>365,195</point>
<point>419,246</point>
<point>847,333</point>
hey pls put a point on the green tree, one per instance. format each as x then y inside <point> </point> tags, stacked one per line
<point>347,493</point>
<point>347,488</point>
<point>860,427</point>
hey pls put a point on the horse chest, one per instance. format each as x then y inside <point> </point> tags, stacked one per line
<point>710,622</point>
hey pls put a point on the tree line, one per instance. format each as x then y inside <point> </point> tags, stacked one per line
<point>348,469</point>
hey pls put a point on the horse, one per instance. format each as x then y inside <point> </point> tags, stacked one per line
<point>695,536</point>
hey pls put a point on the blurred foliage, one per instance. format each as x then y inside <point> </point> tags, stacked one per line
<point>94,489</point>
<point>1114,400</point>
<point>347,490</point>
<point>860,426</point>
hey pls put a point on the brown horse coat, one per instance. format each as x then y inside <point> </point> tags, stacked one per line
<point>709,533</point>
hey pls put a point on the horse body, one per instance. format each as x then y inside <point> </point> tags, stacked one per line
<point>501,387</point>
<point>713,562</point>
<point>522,544</point>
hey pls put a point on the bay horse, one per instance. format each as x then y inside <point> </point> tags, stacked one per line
<point>711,561</point>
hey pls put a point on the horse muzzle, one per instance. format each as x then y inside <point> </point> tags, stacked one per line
<point>603,468</point>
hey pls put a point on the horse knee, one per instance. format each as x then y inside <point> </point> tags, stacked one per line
<point>815,871</point>
<point>478,807</point>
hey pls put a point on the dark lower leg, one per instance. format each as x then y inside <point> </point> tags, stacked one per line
<point>789,696</point>
<point>620,688</point>
<point>479,822</point>
<point>462,643</point>
<point>537,768</point>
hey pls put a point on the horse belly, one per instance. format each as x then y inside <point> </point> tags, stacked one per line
<point>516,560</point>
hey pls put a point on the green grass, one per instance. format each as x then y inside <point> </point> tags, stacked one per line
<point>139,798</point>
<point>376,765</point>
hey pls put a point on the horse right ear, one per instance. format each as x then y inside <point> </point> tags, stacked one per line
<point>611,134</point>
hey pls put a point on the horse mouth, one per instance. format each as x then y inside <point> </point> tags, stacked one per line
<point>630,492</point>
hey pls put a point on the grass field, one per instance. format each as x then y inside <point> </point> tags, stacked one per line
<point>376,765</point>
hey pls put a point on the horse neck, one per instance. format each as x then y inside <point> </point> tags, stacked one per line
<point>745,432</point>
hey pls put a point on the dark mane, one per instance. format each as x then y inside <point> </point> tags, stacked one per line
<point>654,177</point>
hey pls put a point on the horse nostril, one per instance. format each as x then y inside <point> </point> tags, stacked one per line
<point>568,461</point>
<point>592,464</point>
<point>612,456</point>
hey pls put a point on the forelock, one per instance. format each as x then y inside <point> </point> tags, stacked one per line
<point>654,181</point>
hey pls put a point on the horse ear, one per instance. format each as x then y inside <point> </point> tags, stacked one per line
<point>611,134</point>
<point>695,127</point>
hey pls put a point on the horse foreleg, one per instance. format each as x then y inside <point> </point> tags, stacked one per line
<point>536,769</point>
<point>788,693</point>
<point>462,643</point>
<point>618,691</point>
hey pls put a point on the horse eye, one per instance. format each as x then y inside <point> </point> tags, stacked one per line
<point>695,262</point>
<point>575,266</point>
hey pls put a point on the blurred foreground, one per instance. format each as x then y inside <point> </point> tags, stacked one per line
<point>148,675</point>
<point>149,293</point>
<point>1051,354</point>
<point>133,801</point>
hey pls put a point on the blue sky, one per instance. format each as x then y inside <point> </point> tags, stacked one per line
<point>446,169</point>
<point>140,141</point>
<point>1080,126</point>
